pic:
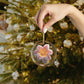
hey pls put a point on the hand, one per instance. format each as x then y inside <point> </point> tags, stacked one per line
<point>55,11</point>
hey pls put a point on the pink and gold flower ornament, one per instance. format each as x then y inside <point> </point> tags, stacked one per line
<point>43,54</point>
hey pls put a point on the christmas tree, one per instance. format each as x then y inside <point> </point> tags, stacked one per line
<point>68,67</point>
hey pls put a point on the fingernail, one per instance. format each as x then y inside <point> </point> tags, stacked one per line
<point>45,30</point>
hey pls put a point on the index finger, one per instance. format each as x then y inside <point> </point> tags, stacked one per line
<point>40,18</point>
<point>37,16</point>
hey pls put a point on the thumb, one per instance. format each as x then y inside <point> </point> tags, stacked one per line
<point>49,24</point>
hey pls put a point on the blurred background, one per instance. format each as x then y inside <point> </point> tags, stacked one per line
<point>19,32</point>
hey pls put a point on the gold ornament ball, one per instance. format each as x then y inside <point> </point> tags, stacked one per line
<point>25,73</point>
<point>83,49</point>
<point>26,80</point>
<point>7,67</point>
<point>22,42</point>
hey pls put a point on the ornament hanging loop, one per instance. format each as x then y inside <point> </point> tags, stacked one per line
<point>43,37</point>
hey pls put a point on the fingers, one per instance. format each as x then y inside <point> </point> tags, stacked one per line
<point>37,17</point>
<point>42,13</point>
<point>40,17</point>
<point>49,24</point>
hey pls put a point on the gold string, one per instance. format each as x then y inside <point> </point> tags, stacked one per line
<point>43,37</point>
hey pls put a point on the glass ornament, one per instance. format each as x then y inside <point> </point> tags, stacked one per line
<point>43,53</point>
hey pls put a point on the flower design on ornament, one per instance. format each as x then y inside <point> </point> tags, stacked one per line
<point>43,53</point>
